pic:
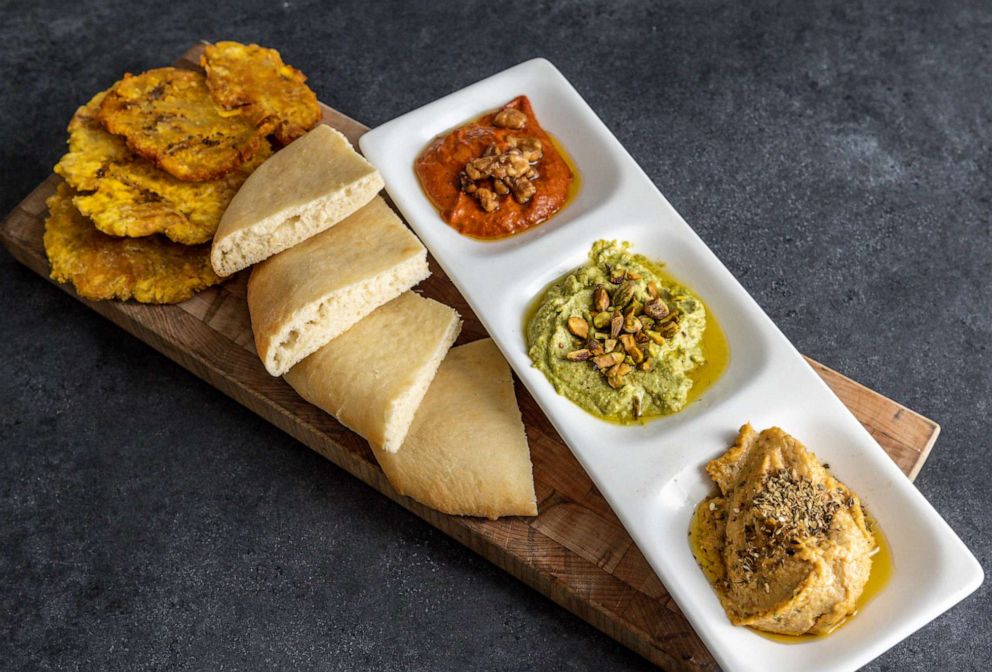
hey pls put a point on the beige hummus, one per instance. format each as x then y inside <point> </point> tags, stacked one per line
<point>785,544</point>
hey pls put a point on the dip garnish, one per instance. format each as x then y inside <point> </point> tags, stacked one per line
<point>631,326</point>
<point>792,507</point>
<point>496,176</point>
<point>619,337</point>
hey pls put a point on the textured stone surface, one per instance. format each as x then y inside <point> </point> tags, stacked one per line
<point>835,155</point>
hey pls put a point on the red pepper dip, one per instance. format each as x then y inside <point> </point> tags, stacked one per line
<point>496,176</point>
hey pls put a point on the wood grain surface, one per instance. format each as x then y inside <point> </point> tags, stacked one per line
<point>575,551</point>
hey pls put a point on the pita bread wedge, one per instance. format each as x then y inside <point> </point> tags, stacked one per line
<point>373,376</point>
<point>306,188</point>
<point>304,297</point>
<point>466,452</point>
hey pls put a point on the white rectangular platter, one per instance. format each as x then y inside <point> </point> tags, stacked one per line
<point>652,475</point>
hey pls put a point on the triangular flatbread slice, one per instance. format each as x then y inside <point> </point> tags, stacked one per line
<point>373,377</point>
<point>304,189</point>
<point>308,295</point>
<point>466,452</point>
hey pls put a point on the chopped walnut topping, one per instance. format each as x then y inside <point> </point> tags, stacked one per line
<point>516,163</point>
<point>511,172</point>
<point>523,189</point>
<point>510,117</point>
<point>531,148</point>
<point>465,183</point>
<point>479,168</point>
<point>487,199</point>
<point>509,164</point>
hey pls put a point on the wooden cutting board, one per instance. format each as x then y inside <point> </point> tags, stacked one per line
<point>575,551</point>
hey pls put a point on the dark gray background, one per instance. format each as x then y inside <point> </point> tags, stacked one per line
<point>836,157</point>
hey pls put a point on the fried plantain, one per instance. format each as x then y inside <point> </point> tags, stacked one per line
<point>137,199</point>
<point>255,80</point>
<point>168,116</point>
<point>91,148</point>
<point>131,197</point>
<point>150,270</point>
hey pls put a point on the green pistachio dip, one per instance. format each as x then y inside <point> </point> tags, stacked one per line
<point>618,336</point>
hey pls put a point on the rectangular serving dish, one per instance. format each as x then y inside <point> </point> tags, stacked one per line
<point>652,475</point>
